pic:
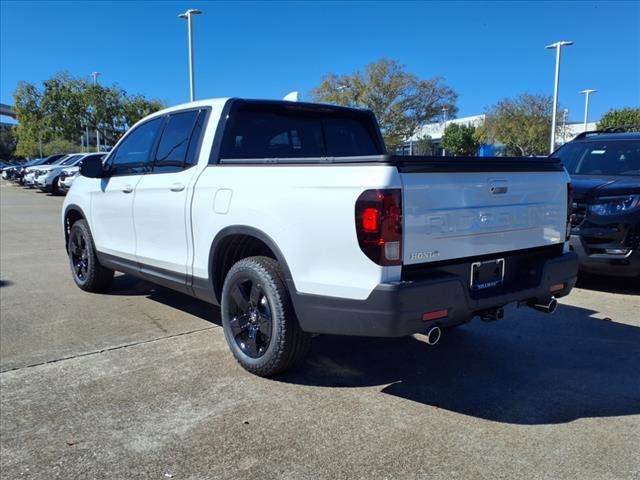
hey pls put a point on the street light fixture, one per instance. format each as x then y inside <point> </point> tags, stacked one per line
<point>558,46</point>
<point>587,92</point>
<point>187,16</point>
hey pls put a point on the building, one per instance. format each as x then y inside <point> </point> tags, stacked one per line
<point>435,131</point>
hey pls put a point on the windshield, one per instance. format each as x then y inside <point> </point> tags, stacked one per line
<point>70,160</point>
<point>605,157</point>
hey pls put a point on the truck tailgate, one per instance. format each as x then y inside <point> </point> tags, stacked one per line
<point>457,214</point>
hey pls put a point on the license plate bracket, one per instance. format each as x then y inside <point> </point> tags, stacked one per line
<point>487,274</point>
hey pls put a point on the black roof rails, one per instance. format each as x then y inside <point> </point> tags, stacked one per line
<point>616,129</point>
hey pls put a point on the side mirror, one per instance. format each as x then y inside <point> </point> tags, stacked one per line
<point>91,167</point>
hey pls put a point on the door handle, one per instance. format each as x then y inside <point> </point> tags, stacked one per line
<point>127,189</point>
<point>177,187</point>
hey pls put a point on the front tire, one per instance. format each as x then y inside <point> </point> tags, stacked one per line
<point>55,189</point>
<point>258,319</point>
<point>87,272</point>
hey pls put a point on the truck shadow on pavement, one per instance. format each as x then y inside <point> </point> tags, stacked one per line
<point>127,285</point>
<point>528,369</point>
<point>629,286</point>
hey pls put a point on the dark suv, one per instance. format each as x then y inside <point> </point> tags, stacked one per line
<point>605,181</point>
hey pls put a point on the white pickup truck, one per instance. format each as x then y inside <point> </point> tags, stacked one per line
<point>292,217</point>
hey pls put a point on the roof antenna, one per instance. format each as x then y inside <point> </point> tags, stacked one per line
<point>291,97</point>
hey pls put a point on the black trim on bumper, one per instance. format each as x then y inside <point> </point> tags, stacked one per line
<point>395,310</point>
<point>610,265</point>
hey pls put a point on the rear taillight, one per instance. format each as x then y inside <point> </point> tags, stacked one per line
<point>379,225</point>
<point>569,212</point>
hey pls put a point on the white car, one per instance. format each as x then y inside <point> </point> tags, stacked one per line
<point>47,177</point>
<point>29,178</point>
<point>67,176</point>
<point>294,219</point>
<point>31,172</point>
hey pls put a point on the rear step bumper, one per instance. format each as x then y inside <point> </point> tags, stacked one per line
<point>395,310</point>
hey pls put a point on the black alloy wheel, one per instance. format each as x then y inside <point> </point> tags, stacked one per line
<point>88,273</point>
<point>251,318</point>
<point>258,318</point>
<point>79,254</point>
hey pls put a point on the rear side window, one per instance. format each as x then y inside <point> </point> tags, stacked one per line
<point>132,155</point>
<point>174,142</point>
<point>347,137</point>
<point>258,131</point>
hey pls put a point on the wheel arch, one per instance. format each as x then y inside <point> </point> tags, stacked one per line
<point>235,242</point>
<point>72,213</point>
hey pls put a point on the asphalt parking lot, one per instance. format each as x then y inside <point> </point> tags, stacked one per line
<point>139,383</point>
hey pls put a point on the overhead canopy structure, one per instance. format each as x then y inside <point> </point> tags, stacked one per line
<point>7,110</point>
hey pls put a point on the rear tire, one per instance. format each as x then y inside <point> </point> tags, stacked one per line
<point>86,270</point>
<point>258,319</point>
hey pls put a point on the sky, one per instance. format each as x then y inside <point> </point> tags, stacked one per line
<point>485,51</point>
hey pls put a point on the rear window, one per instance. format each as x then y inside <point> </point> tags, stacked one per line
<point>605,157</point>
<point>283,131</point>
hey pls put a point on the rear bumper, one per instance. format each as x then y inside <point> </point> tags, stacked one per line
<point>627,265</point>
<point>395,310</point>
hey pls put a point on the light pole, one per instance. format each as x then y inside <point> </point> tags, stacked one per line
<point>187,15</point>
<point>95,76</point>
<point>444,119</point>
<point>587,92</point>
<point>558,46</point>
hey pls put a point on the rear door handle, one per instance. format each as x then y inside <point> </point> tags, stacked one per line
<point>177,187</point>
<point>127,189</point>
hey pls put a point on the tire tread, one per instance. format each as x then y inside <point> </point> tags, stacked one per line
<point>293,343</point>
<point>99,277</point>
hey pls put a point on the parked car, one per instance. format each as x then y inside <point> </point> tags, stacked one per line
<point>33,171</point>
<point>67,176</point>
<point>605,178</point>
<point>294,219</point>
<point>20,173</point>
<point>7,170</point>
<point>47,177</point>
<point>15,173</point>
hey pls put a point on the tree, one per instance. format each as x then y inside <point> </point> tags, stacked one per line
<point>27,100</point>
<point>424,146</point>
<point>64,107</point>
<point>620,117</point>
<point>59,145</point>
<point>400,100</point>
<point>522,124</point>
<point>459,139</point>
<point>67,106</point>
<point>7,141</point>
<point>136,107</point>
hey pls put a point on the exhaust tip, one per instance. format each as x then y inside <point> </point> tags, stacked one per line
<point>553,305</point>
<point>549,306</point>
<point>433,335</point>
